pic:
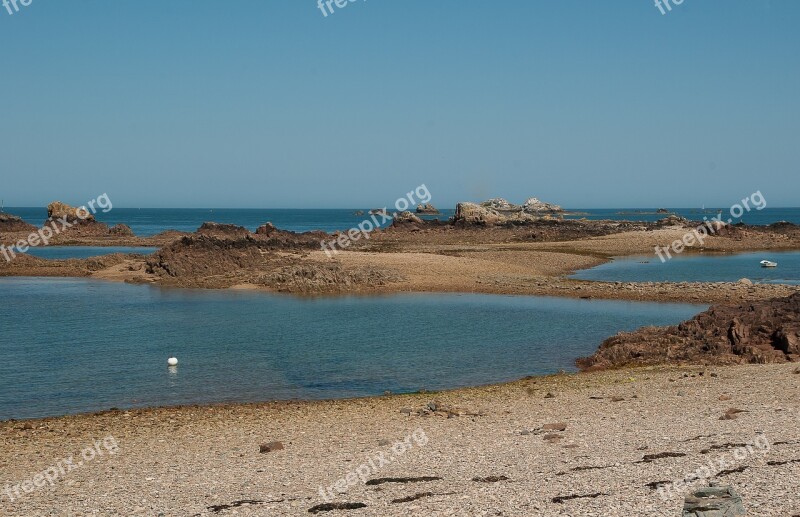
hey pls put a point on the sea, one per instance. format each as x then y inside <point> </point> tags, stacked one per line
<point>78,345</point>
<point>146,222</point>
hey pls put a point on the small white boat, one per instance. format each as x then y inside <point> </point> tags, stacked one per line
<point>768,263</point>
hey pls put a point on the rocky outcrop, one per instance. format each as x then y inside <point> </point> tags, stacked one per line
<point>766,331</point>
<point>405,218</point>
<point>80,223</point>
<point>266,229</point>
<point>223,230</point>
<point>672,220</point>
<point>12,223</point>
<point>498,211</point>
<point>500,205</point>
<point>58,210</point>
<point>427,208</point>
<point>121,230</point>
<point>474,214</point>
<point>531,206</point>
<point>534,206</point>
<point>271,258</point>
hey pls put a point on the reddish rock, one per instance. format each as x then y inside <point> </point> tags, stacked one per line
<point>766,331</point>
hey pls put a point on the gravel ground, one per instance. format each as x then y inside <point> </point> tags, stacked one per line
<point>203,461</point>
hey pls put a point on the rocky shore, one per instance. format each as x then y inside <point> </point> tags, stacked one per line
<point>766,331</point>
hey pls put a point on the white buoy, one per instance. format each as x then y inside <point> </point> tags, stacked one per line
<point>172,361</point>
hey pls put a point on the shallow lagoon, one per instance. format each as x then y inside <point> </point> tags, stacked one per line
<point>82,252</point>
<point>699,268</point>
<point>76,345</point>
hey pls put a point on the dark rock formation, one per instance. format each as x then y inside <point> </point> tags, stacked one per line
<point>219,256</point>
<point>766,331</point>
<point>266,229</point>
<point>672,220</point>
<point>223,230</point>
<point>12,223</point>
<point>121,230</point>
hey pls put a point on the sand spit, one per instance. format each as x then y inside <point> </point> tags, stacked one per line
<point>533,258</point>
<point>588,445</point>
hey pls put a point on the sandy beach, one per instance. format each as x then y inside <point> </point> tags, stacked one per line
<point>624,432</point>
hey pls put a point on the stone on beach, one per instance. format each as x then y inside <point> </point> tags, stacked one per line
<point>270,447</point>
<point>714,501</point>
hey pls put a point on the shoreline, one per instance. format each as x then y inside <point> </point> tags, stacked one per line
<point>610,419</point>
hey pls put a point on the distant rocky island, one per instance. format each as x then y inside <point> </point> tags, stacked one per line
<point>427,208</point>
<point>500,211</point>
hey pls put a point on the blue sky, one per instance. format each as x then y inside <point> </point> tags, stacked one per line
<point>267,103</point>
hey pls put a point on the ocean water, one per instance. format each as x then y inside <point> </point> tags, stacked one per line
<point>77,345</point>
<point>150,221</point>
<point>699,268</point>
<point>82,252</point>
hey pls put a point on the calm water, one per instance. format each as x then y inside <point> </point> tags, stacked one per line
<point>150,221</point>
<point>699,268</point>
<point>82,252</point>
<point>72,345</point>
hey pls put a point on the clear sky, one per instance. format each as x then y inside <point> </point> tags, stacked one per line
<point>268,103</point>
